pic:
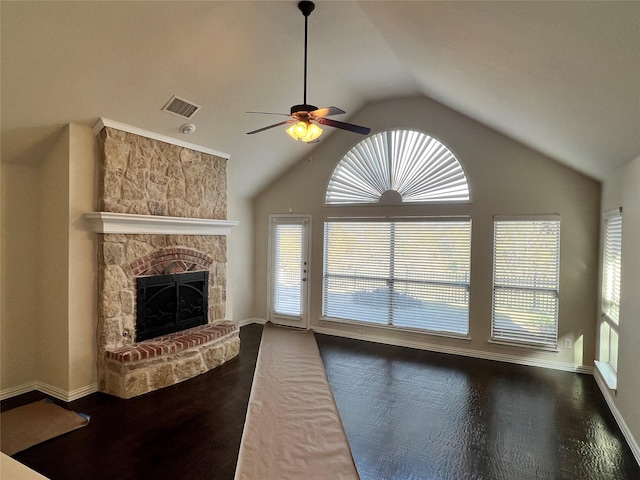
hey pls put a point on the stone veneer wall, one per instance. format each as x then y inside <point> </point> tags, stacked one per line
<point>148,177</point>
<point>139,175</point>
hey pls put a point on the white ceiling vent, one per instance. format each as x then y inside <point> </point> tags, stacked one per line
<point>181,107</point>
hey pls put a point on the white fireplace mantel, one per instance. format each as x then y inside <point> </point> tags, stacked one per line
<point>127,223</point>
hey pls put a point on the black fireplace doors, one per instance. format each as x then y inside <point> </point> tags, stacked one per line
<point>171,303</point>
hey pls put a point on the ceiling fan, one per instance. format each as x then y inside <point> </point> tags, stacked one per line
<point>304,117</point>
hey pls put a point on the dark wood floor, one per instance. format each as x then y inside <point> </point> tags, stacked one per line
<point>408,414</point>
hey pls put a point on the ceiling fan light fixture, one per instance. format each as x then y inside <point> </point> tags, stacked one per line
<point>305,131</point>
<point>304,117</point>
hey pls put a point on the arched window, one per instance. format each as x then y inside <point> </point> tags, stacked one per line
<point>398,166</point>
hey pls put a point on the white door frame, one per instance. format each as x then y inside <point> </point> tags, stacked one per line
<point>301,321</point>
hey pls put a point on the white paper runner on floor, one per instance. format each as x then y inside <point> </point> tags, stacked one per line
<point>293,429</point>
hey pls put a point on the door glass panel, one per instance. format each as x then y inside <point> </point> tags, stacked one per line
<point>288,269</point>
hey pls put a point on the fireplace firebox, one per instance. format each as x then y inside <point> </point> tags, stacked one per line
<point>171,303</point>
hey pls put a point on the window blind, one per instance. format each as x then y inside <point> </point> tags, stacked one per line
<point>411,163</point>
<point>611,267</point>
<point>287,268</point>
<point>411,273</point>
<point>525,281</point>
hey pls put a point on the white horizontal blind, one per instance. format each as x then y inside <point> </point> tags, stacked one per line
<point>611,267</point>
<point>287,269</point>
<point>525,281</point>
<point>404,273</point>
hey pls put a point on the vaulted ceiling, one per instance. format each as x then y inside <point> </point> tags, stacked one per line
<point>561,77</point>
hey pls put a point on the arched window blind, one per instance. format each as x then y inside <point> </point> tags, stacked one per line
<point>410,165</point>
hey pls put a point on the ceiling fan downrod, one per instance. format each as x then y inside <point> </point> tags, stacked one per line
<point>306,7</point>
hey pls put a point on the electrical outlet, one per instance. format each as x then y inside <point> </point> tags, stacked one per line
<point>568,343</point>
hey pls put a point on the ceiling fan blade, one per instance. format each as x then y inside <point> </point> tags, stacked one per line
<point>271,113</point>
<point>327,111</point>
<point>344,126</point>
<point>271,126</point>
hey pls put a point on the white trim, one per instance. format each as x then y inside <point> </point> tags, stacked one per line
<point>608,374</point>
<point>464,352</point>
<point>395,328</point>
<point>107,222</point>
<point>251,321</point>
<point>401,218</point>
<point>524,345</point>
<point>105,122</point>
<point>49,390</point>
<point>616,212</point>
<point>607,394</point>
<point>19,390</point>
<point>533,217</point>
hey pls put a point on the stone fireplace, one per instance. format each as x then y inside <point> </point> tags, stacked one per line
<point>162,213</point>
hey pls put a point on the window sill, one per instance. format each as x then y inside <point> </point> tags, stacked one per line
<point>529,346</point>
<point>608,374</point>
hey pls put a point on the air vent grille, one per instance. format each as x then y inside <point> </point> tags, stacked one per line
<point>181,107</point>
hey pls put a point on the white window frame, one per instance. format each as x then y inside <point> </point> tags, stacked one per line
<point>511,290</point>
<point>391,280</point>
<point>607,363</point>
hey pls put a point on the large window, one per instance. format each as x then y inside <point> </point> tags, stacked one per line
<point>611,270</point>
<point>525,280</point>
<point>406,272</point>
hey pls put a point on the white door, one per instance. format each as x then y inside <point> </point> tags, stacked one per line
<point>289,269</point>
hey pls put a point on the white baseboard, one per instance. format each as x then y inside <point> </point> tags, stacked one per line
<point>465,352</point>
<point>249,321</point>
<point>55,392</point>
<point>608,396</point>
<point>19,390</point>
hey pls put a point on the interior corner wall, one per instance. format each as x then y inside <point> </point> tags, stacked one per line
<point>505,177</point>
<point>239,252</point>
<point>83,269</point>
<point>19,244</point>
<point>52,272</point>
<point>623,189</point>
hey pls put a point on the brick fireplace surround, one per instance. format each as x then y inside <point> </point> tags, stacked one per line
<point>162,210</point>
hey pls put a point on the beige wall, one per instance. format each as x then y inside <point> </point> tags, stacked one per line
<point>239,252</point>
<point>19,311</point>
<point>53,271</point>
<point>505,177</point>
<point>623,189</point>
<point>48,320</point>
<point>82,248</point>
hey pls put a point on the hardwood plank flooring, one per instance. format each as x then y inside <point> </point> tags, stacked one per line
<point>408,414</point>
<point>411,414</point>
